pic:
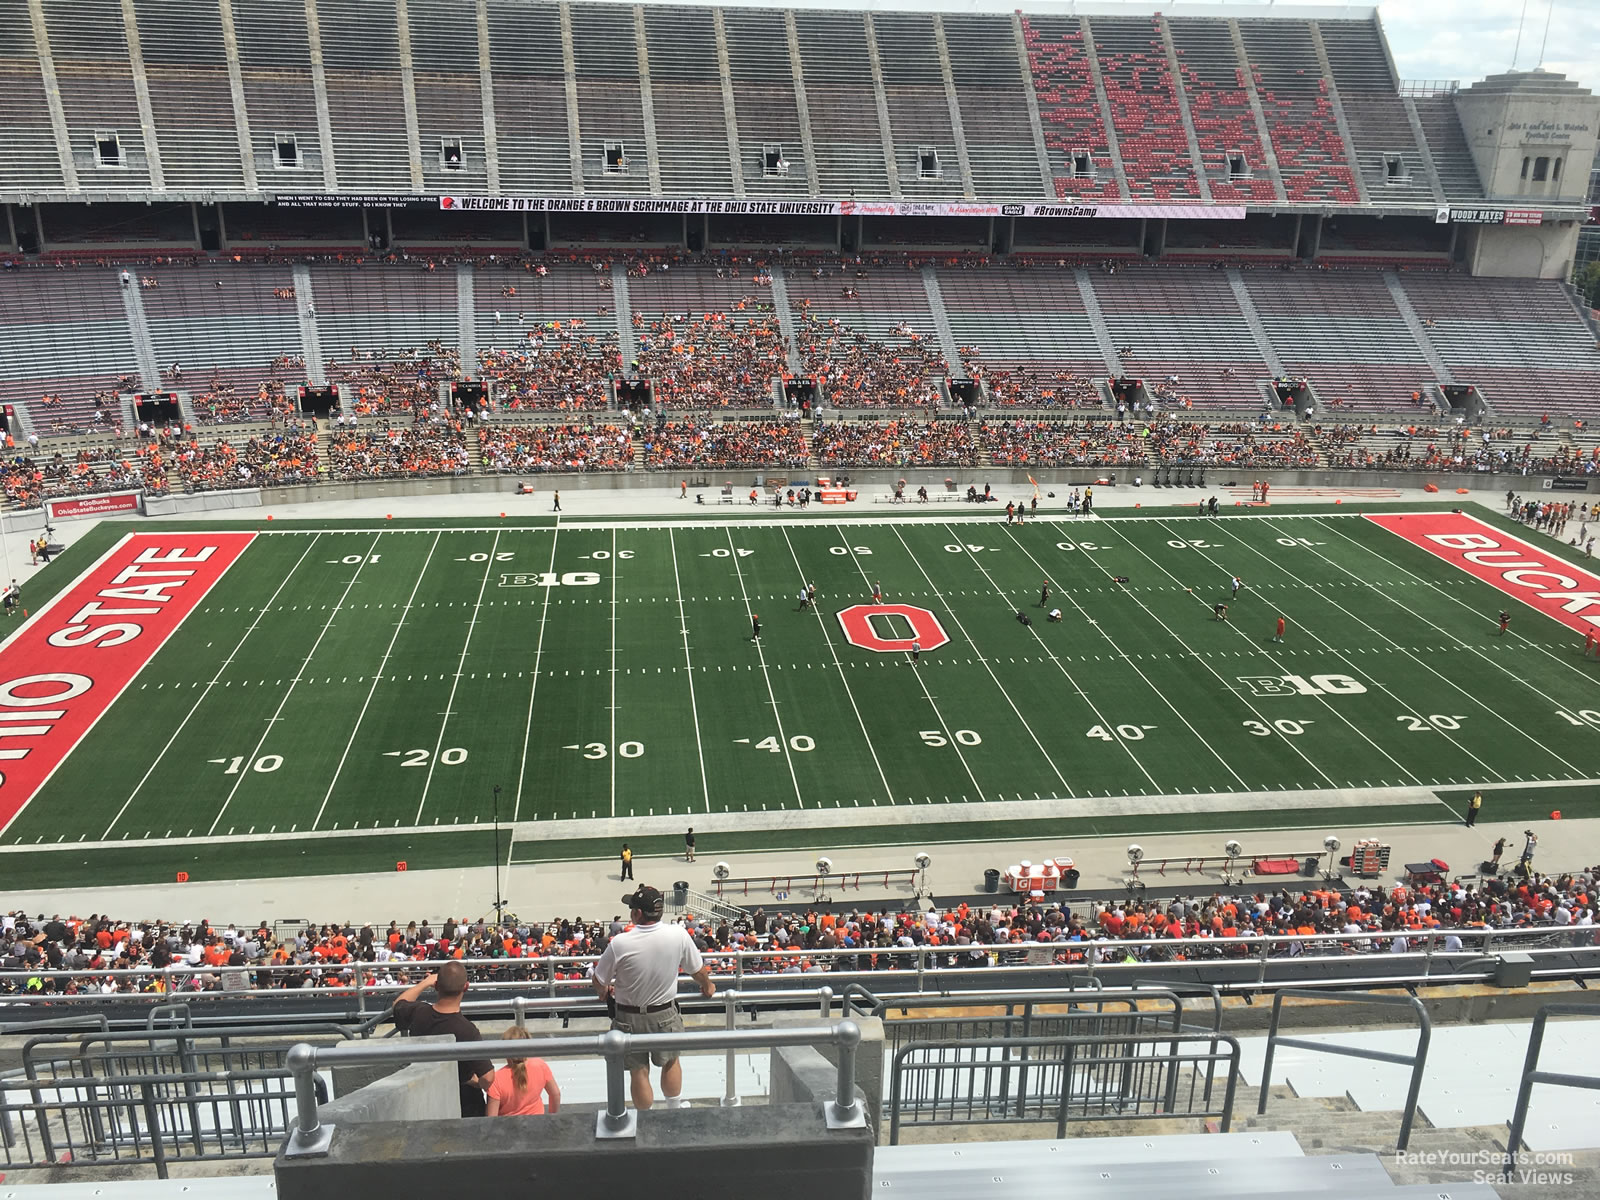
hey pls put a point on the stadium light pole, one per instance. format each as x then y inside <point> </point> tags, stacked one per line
<point>498,903</point>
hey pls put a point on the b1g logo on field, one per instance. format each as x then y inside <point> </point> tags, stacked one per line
<point>862,628</point>
<point>1302,685</point>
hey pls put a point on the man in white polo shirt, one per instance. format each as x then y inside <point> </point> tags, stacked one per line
<point>639,972</point>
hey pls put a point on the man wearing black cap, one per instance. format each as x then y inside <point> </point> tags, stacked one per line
<point>639,971</point>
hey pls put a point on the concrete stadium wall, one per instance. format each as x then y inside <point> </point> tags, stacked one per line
<point>1523,251</point>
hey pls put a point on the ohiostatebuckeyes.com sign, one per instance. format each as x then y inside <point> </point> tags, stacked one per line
<point>68,664</point>
<point>94,506</point>
<point>1545,581</point>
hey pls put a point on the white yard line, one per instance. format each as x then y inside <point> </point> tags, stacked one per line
<point>450,704</point>
<point>612,708</point>
<point>772,698</point>
<point>888,792</point>
<point>1585,675</point>
<point>533,691</point>
<point>1490,709</point>
<point>312,545</point>
<point>949,735</point>
<point>377,678</point>
<point>293,683</point>
<point>688,664</point>
<point>1278,669</point>
<point>1122,654</point>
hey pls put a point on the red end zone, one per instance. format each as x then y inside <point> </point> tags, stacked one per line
<point>68,664</point>
<point>1538,578</point>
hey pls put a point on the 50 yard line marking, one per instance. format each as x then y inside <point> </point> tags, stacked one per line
<point>450,704</point>
<point>377,678</point>
<point>761,656</point>
<point>293,683</point>
<point>538,654</point>
<point>694,708</point>
<point>310,546</point>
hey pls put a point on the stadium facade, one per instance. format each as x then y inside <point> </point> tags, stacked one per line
<point>191,126</point>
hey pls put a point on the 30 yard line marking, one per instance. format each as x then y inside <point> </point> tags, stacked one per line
<point>294,682</point>
<point>694,707</point>
<point>1423,663</point>
<point>1161,695</point>
<point>450,704</point>
<point>538,654</point>
<point>612,756</point>
<point>310,546</point>
<point>772,697</point>
<point>888,792</point>
<point>377,677</point>
<point>1261,652</point>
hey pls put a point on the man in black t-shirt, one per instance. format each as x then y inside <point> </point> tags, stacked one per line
<point>443,1016</point>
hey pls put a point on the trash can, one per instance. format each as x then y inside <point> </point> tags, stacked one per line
<point>1069,879</point>
<point>680,893</point>
<point>991,880</point>
<point>1309,867</point>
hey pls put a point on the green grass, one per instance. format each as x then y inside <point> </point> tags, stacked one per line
<point>631,690</point>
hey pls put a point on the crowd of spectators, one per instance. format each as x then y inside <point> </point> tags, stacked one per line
<point>858,371</point>
<point>1232,443</point>
<point>1024,387</point>
<point>694,444</point>
<point>375,382</point>
<point>1025,443</point>
<point>393,452</point>
<point>712,361</point>
<point>519,449</point>
<point>1366,919</point>
<point>903,442</point>
<point>563,368</point>
<point>266,460</point>
<point>223,403</point>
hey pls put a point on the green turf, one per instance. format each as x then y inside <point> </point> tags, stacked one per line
<point>391,693</point>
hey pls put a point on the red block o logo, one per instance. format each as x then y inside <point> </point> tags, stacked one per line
<point>925,628</point>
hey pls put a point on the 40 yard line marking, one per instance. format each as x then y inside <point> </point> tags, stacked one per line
<point>376,679</point>
<point>327,625</point>
<point>450,704</point>
<point>772,696</point>
<point>694,708</point>
<point>839,667</point>
<point>310,546</point>
<point>538,654</point>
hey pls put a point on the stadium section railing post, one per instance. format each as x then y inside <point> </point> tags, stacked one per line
<point>1532,1075</point>
<point>1417,1061</point>
<point>311,1138</point>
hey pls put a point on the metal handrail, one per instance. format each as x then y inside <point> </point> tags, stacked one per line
<point>1532,1075</point>
<point>1417,1061</point>
<point>311,1138</point>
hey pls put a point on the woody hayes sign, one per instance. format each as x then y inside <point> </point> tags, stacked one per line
<point>65,667</point>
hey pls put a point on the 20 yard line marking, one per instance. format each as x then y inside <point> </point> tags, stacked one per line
<point>694,708</point>
<point>533,692</point>
<point>772,697</point>
<point>376,679</point>
<point>311,545</point>
<point>450,704</point>
<point>294,682</point>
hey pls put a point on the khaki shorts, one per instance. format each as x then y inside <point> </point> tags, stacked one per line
<point>668,1020</point>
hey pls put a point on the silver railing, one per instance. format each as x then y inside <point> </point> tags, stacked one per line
<point>313,1138</point>
<point>1531,1074</point>
<point>1252,963</point>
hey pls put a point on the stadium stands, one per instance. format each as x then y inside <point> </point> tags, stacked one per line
<point>868,331</point>
<point>918,107</point>
<point>1028,319</point>
<point>1219,110</point>
<point>541,448</point>
<point>68,347</point>
<point>906,442</point>
<point>707,336</point>
<point>1074,130</point>
<point>696,445</point>
<point>1144,108</point>
<point>994,110</point>
<point>1312,157</point>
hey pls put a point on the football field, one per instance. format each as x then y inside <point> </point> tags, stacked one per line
<point>346,695</point>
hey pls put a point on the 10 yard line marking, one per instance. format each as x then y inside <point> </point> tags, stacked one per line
<point>839,667</point>
<point>937,715</point>
<point>538,654</point>
<point>376,679</point>
<point>761,656</point>
<point>694,708</point>
<point>450,704</point>
<point>327,625</point>
<point>310,546</point>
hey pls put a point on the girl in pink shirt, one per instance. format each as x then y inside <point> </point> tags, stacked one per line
<point>523,1087</point>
